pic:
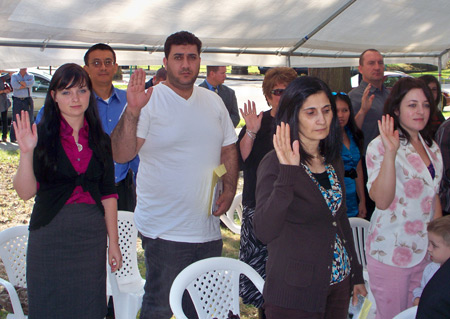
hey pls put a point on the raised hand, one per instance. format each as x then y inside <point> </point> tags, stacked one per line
<point>137,97</point>
<point>287,154</point>
<point>389,137</point>
<point>366,101</point>
<point>252,121</point>
<point>26,134</point>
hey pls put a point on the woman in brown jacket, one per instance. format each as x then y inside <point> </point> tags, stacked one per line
<point>301,214</point>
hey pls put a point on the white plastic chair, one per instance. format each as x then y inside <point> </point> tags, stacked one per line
<point>13,252</point>
<point>213,285</point>
<point>126,285</point>
<point>409,313</point>
<point>360,227</point>
<point>228,217</point>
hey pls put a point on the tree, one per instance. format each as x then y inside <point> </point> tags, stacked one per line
<point>338,79</point>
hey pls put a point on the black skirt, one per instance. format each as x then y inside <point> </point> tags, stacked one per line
<point>253,253</point>
<point>66,265</point>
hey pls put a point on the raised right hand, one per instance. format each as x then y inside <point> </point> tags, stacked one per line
<point>252,121</point>
<point>389,137</point>
<point>137,97</point>
<point>26,135</point>
<point>287,154</point>
<point>366,101</point>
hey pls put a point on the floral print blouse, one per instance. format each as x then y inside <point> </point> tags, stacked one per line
<point>398,235</point>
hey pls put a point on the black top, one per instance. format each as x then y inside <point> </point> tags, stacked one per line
<point>54,192</point>
<point>262,145</point>
<point>435,300</point>
<point>323,180</point>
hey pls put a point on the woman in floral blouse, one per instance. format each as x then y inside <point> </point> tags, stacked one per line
<point>404,168</point>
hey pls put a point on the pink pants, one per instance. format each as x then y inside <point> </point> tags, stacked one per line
<point>392,286</point>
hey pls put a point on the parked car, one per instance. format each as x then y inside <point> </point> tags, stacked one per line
<point>38,91</point>
<point>390,77</point>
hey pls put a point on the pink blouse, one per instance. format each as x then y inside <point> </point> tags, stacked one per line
<point>80,158</point>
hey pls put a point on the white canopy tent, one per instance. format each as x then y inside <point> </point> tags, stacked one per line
<point>310,33</point>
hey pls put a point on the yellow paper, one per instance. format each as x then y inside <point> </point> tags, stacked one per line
<point>365,309</point>
<point>216,187</point>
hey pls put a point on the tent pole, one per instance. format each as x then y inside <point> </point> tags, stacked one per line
<point>321,26</point>
<point>440,69</point>
<point>440,64</point>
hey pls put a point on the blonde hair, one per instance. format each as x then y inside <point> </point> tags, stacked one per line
<point>278,75</point>
<point>441,227</point>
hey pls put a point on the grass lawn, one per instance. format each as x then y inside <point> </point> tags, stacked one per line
<point>10,160</point>
<point>445,74</point>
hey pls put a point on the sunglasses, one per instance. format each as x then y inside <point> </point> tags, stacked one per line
<point>338,93</point>
<point>277,92</point>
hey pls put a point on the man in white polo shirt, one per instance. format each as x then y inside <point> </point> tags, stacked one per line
<point>181,134</point>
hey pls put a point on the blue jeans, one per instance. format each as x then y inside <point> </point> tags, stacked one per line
<point>164,260</point>
<point>19,105</point>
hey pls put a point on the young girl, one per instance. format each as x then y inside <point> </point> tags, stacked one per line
<point>352,138</point>
<point>66,162</point>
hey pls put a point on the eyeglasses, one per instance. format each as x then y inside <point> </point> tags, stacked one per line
<point>338,93</point>
<point>98,63</point>
<point>277,92</point>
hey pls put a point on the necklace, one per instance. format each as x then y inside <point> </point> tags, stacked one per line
<point>79,146</point>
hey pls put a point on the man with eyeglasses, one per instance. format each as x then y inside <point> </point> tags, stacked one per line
<point>100,64</point>
<point>215,77</point>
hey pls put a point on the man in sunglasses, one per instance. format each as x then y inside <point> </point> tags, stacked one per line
<point>215,76</point>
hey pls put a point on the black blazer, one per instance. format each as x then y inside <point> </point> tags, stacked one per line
<point>54,192</point>
<point>229,99</point>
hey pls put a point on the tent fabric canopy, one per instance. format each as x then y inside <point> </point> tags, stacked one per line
<point>313,33</point>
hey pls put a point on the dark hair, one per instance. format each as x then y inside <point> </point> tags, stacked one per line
<point>291,103</point>
<point>278,75</point>
<point>428,78</point>
<point>361,56</point>
<point>441,227</point>
<point>392,106</point>
<point>212,68</point>
<point>98,46</point>
<point>161,74</point>
<point>67,76</point>
<point>181,38</point>
<point>358,135</point>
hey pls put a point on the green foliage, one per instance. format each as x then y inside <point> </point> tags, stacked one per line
<point>411,67</point>
<point>445,74</point>
<point>9,156</point>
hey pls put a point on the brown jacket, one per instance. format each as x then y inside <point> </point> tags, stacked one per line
<point>294,220</point>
